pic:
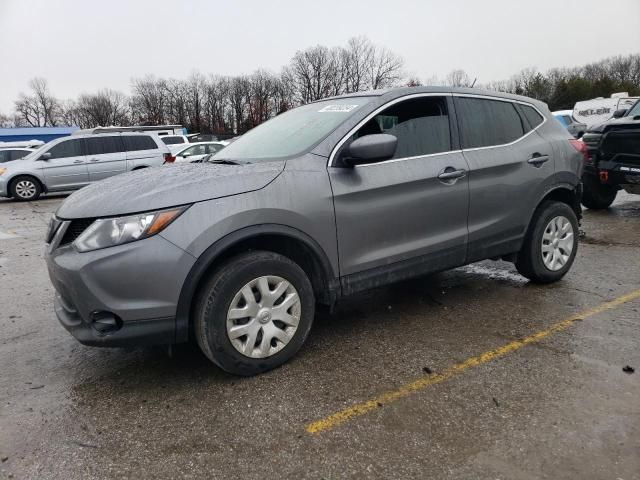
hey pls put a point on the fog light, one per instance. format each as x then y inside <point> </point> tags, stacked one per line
<point>105,322</point>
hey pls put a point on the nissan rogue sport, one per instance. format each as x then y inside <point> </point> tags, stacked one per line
<point>328,199</point>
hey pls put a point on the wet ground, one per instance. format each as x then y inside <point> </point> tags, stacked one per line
<point>559,408</point>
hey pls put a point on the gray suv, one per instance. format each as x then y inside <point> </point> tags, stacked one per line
<point>70,163</point>
<point>325,200</point>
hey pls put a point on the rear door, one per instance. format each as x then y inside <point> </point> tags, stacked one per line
<point>66,168</point>
<point>402,217</point>
<point>106,156</point>
<point>509,162</point>
<point>142,151</point>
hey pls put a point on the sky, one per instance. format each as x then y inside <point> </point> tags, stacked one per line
<point>82,46</point>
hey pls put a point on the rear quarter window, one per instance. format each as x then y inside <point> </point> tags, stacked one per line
<point>486,123</point>
<point>134,143</point>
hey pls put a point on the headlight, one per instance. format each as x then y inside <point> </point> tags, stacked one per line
<point>2,170</point>
<point>109,232</point>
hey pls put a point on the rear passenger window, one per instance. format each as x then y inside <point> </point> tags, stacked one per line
<point>421,126</point>
<point>173,140</point>
<point>107,144</point>
<point>67,148</point>
<point>138,142</point>
<point>486,123</point>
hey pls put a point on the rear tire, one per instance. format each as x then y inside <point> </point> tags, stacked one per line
<point>244,329</point>
<point>25,188</point>
<point>551,243</point>
<point>596,195</point>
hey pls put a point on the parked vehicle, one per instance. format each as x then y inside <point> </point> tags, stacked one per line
<point>322,201</point>
<point>10,154</point>
<point>614,158</point>
<point>575,128</point>
<point>174,142</point>
<point>157,129</point>
<point>196,151</point>
<point>598,110</point>
<point>72,162</point>
<point>202,137</point>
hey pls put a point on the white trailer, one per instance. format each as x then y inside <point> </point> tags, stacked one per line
<point>601,109</point>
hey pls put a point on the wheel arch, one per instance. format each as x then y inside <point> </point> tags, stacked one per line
<point>565,193</point>
<point>287,241</point>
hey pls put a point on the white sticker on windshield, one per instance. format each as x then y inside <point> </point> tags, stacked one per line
<point>338,108</point>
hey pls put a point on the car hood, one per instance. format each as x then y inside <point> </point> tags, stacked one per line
<point>168,186</point>
<point>613,122</point>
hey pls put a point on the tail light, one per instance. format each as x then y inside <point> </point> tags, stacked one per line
<point>168,158</point>
<point>581,147</point>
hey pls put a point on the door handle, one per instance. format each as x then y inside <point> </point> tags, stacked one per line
<point>537,159</point>
<point>78,161</point>
<point>451,173</point>
<point>95,159</point>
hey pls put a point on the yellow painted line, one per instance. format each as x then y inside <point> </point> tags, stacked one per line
<point>421,383</point>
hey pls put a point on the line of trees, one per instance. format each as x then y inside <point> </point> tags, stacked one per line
<point>234,104</point>
<point>216,103</point>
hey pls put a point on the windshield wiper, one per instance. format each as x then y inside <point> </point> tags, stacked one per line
<point>226,161</point>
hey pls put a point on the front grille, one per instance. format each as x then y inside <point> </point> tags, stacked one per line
<point>75,229</point>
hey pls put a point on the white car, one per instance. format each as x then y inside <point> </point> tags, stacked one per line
<point>174,142</point>
<point>9,154</point>
<point>196,151</point>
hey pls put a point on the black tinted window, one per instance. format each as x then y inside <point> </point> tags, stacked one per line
<point>486,123</point>
<point>16,154</point>
<point>172,140</point>
<point>67,148</point>
<point>421,126</point>
<point>5,156</point>
<point>138,142</point>
<point>106,144</point>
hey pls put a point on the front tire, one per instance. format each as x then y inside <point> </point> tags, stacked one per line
<point>25,188</point>
<point>551,243</point>
<point>254,313</point>
<point>596,195</point>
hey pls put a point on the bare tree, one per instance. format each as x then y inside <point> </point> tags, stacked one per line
<point>41,108</point>
<point>103,108</point>
<point>6,121</point>
<point>458,78</point>
<point>386,69</point>
<point>149,100</point>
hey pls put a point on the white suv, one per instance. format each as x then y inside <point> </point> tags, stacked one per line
<point>70,163</point>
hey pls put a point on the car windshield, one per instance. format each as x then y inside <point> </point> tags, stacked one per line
<point>293,132</point>
<point>635,110</point>
<point>35,153</point>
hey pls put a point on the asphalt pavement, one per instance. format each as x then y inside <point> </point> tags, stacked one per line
<point>472,373</point>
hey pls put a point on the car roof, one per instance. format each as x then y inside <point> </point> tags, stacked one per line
<point>105,134</point>
<point>22,149</point>
<point>392,93</point>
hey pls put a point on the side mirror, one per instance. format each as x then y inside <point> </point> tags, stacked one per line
<point>185,155</point>
<point>45,156</point>
<point>370,149</point>
<point>619,113</point>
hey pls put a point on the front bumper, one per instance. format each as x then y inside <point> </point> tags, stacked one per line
<point>4,187</point>
<point>139,283</point>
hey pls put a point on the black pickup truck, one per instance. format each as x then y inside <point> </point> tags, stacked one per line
<point>614,158</point>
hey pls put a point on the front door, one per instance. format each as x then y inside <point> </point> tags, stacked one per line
<point>66,167</point>
<point>106,157</point>
<point>407,215</point>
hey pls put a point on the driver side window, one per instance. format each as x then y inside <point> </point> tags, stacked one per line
<point>421,126</point>
<point>68,148</point>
